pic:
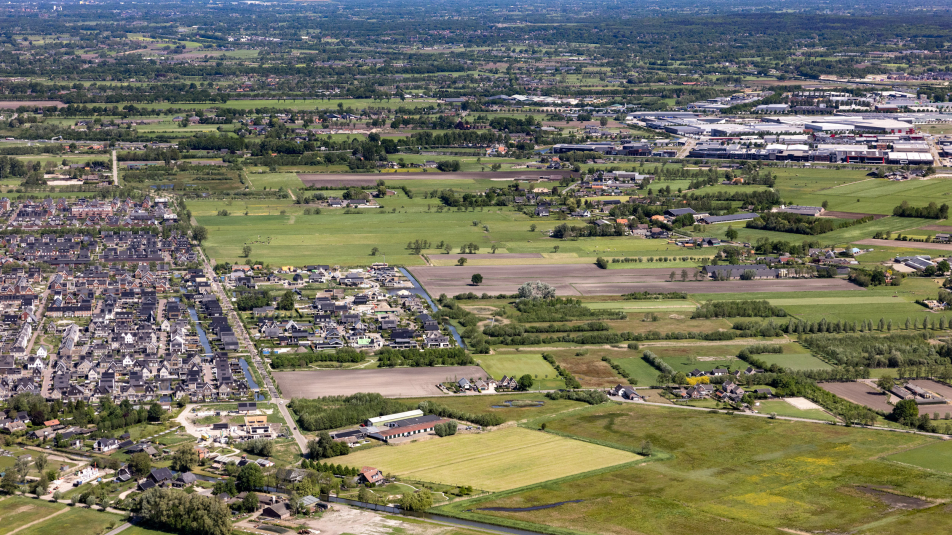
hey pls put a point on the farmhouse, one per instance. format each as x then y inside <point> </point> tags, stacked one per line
<point>390,418</point>
<point>386,435</point>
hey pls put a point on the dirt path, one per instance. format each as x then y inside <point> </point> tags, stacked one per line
<point>23,527</point>
<point>292,219</point>
<point>291,193</point>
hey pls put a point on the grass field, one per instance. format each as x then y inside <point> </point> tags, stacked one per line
<point>729,474</point>
<point>782,408</point>
<point>937,456</point>
<point>795,361</point>
<point>645,374</point>
<point>500,460</point>
<point>76,521</point>
<point>518,364</point>
<point>18,511</point>
<point>334,237</point>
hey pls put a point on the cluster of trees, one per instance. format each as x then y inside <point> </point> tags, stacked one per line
<point>445,430</point>
<point>185,513</point>
<point>512,329</point>
<point>588,338</point>
<point>249,299</point>
<point>566,231</point>
<point>738,309</point>
<point>325,447</point>
<point>560,309</point>
<point>874,277</point>
<point>262,447</point>
<point>453,356</point>
<point>798,224</point>
<point>337,411</point>
<point>658,363</point>
<point>932,211</point>
<point>592,397</point>
<point>536,290</point>
<point>300,360</point>
<point>875,351</point>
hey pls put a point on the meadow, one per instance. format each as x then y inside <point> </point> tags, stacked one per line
<point>519,364</point>
<point>347,239</point>
<point>782,408</point>
<point>20,511</point>
<point>728,474</point>
<point>494,461</point>
<point>495,404</point>
<point>937,456</point>
<point>76,521</point>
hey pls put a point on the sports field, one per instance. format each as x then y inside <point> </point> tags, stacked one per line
<point>505,459</point>
<point>937,456</point>
<point>518,364</point>
<point>729,474</point>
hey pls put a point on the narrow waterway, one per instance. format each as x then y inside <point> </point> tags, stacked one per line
<point>418,290</point>
<point>203,339</point>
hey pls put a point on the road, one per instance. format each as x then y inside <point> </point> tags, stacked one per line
<point>115,169</point>
<point>689,144</point>
<point>245,339</point>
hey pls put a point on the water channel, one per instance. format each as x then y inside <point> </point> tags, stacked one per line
<point>203,339</point>
<point>418,290</point>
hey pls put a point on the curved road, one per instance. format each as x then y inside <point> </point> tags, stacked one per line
<point>242,334</point>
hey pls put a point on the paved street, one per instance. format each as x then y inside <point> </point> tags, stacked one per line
<point>252,352</point>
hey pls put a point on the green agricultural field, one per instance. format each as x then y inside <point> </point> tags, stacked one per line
<point>76,521</point>
<point>795,361</point>
<point>495,461</point>
<point>519,364</point>
<point>645,374</point>
<point>334,237</point>
<point>728,474</point>
<point>19,511</point>
<point>936,456</point>
<point>782,408</point>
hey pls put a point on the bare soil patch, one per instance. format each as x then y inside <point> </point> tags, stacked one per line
<point>389,382</point>
<point>906,244</point>
<point>488,256</point>
<point>895,501</point>
<point>803,404</point>
<point>369,179</point>
<point>937,228</point>
<point>933,386</point>
<point>588,279</point>
<point>591,371</point>
<point>852,215</point>
<point>859,393</point>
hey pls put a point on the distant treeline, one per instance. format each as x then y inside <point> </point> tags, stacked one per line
<point>453,356</point>
<point>738,309</point>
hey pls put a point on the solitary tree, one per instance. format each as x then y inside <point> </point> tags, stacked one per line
<point>532,227</point>
<point>525,382</point>
<point>731,233</point>
<point>246,251</point>
<point>461,262</point>
<point>477,279</point>
<point>886,383</point>
<point>374,251</point>
<point>199,233</point>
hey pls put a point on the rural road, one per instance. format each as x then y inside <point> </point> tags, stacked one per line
<point>115,170</point>
<point>255,357</point>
